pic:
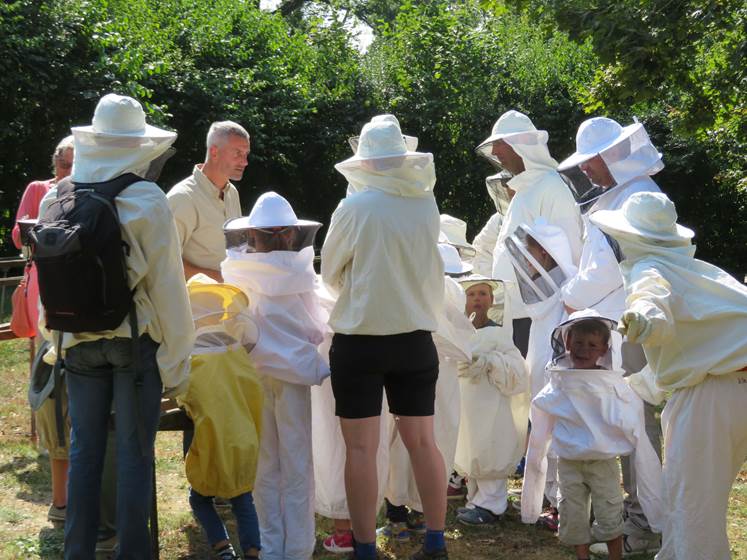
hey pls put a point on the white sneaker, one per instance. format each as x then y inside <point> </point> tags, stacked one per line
<point>631,545</point>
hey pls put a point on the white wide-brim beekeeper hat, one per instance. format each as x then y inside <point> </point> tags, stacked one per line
<point>454,232</point>
<point>647,215</point>
<point>117,141</point>
<point>515,128</point>
<point>453,264</point>
<point>383,161</point>
<point>411,142</point>
<point>271,210</point>
<point>627,151</point>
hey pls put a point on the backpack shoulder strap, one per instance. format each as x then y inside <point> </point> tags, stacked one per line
<point>110,189</point>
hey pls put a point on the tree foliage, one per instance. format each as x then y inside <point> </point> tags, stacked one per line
<point>447,69</point>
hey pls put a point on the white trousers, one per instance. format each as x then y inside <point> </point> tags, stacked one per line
<point>487,493</point>
<point>705,445</point>
<point>284,490</point>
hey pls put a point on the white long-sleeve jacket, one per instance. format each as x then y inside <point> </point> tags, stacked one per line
<point>590,415</point>
<point>697,311</point>
<point>281,286</point>
<point>598,284</point>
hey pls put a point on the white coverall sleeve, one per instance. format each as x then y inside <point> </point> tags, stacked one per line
<point>535,471</point>
<point>650,295</point>
<point>165,287</point>
<point>599,275</point>
<point>484,244</point>
<point>507,371</point>
<point>337,251</point>
<point>644,385</point>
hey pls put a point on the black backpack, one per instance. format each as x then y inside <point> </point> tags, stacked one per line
<point>80,257</point>
<point>81,264</point>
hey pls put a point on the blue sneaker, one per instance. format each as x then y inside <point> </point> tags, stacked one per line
<point>397,532</point>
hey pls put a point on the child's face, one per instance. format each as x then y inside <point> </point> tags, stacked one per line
<point>541,256</point>
<point>585,349</point>
<point>479,299</point>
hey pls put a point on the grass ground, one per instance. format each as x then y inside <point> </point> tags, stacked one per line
<point>25,496</point>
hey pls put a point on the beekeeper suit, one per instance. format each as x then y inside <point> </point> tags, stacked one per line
<point>631,160</point>
<point>540,281</point>
<point>588,415</point>
<point>452,341</point>
<point>485,241</point>
<point>270,257</point>
<point>691,318</point>
<point>540,288</point>
<point>540,192</point>
<point>224,395</point>
<point>494,389</point>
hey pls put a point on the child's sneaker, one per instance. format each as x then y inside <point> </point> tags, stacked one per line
<point>394,531</point>
<point>339,543</point>
<point>478,516</point>
<point>416,523</point>
<point>549,519</point>
<point>433,555</point>
<point>56,515</point>
<point>226,553</point>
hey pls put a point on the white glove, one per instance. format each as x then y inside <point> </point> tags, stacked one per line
<point>479,366</point>
<point>635,326</point>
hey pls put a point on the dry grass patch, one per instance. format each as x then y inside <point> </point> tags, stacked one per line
<point>25,496</point>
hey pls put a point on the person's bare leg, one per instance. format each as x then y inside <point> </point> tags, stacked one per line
<point>342,526</point>
<point>427,466</point>
<point>361,437</point>
<point>582,551</point>
<point>59,468</point>
<point>615,548</point>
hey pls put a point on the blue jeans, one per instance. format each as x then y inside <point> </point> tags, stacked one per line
<point>244,512</point>
<point>99,374</point>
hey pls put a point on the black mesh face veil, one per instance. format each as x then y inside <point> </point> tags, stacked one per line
<point>560,337</point>
<point>264,240</point>
<point>584,192</point>
<point>535,282</point>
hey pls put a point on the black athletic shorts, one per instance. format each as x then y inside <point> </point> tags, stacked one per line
<point>406,365</point>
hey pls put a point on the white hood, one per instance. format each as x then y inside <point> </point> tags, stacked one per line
<point>383,162</point>
<point>283,301</point>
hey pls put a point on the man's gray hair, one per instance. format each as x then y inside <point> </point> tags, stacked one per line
<point>65,144</point>
<point>220,131</point>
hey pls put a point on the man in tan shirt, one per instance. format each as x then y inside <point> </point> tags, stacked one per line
<point>203,202</point>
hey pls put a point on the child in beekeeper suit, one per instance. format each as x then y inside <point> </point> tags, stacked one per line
<point>494,395</point>
<point>270,257</point>
<point>224,400</point>
<point>691,318</point>
<point>591,417</point>
<point>452,340</point>
<point>542,260</point>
